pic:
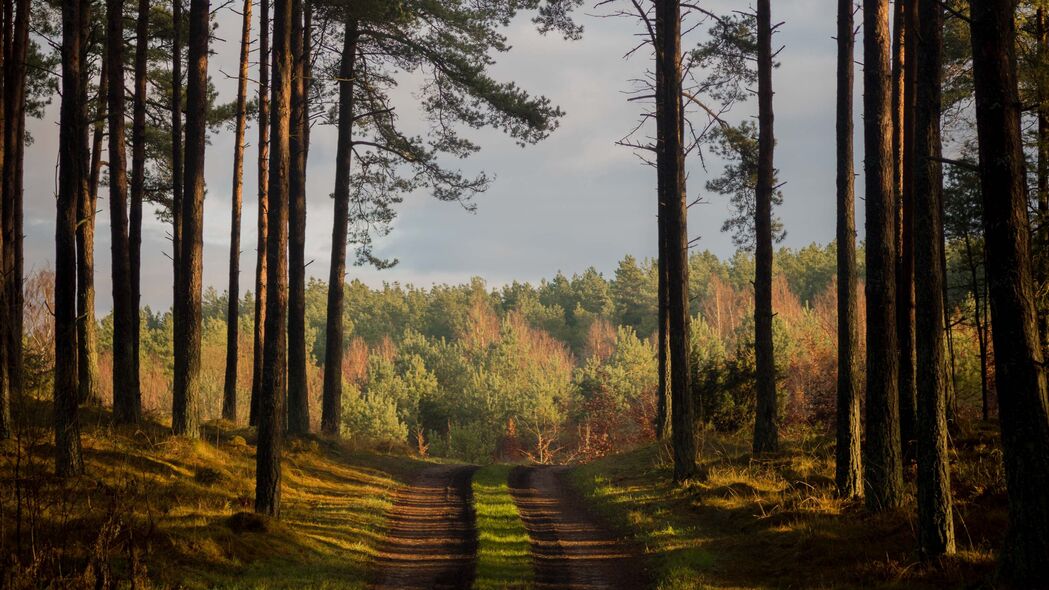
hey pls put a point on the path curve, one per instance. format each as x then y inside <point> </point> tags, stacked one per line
<point>431,541</point>
<point>571,549</point>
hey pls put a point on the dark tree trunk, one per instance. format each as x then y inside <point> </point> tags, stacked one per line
<point>272,395</point>
<point>671,159</point>
<point>1019,369</point>
<point>5,324</point>
<point>662,288</point>
<point>766,423</point>
<point>125,408</point>
<point>87,339</point>
<point>13,134</point>
<point>229,397</point>
<point>981,326</point>
<point>848,476</point>
<point>331,407</point>
<point>138,179</point>
<point>1042,221</point>
<point>263,215</point>
<point>883,476</point>
<point>72,181</point>
<point>185,406</point>
<point>176,160</point>
<point>904,117</point>
<point>935,518</point>
<point>298,396</point>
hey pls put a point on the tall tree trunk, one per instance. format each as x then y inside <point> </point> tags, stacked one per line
<point>935,518</point>
<point>883,475</point>
<point>13,134</point>
<point>125,409</point>
<point>981,326</point>
<point>331,407</point>
<point>185,407</point>
<point>263,208</point>
<point>272,395</point>
<point>1042,221</point>
<point>138,180</point>
<point>1019,372</point>
<point>72,181</point>
<point>87,339</point>
<point>5,324</point>
<point>176,160</point>
<point>906,78</point>
<point>847,474</point>
<point>662,288</point>
<point>766,423</point>
<point>229,397</point>
<point>671,158</point>
<point>298,396</point>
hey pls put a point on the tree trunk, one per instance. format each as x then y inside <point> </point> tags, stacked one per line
<point>671,159</point>
<point>1042,221</point>
<point>981,327</point>
<point>87,339</point>
<point>229,396</point>
<point>5,324</point>
<point>176,160</point>
<point>272,395</point>
<point>72,182</point>
<point>662,288</point>
<point>263,215</point>
<point>883,474</point>
<point>138,179</point>
<point>13,134</point>
<point>766,429</point>
<point>847,473</point>
<point>935,519</point>
<point>905,336</point>
<point>1019,372</point>
<point>331,410</point>
<point>298,396</point>
<point>125,408</point>
<point>185,407</point>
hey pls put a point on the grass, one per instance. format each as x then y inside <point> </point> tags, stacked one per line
<point>503,554</point>
<point>774,521</point>
<point>157,509</point>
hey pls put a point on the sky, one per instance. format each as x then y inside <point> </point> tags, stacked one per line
<point>573,201</point>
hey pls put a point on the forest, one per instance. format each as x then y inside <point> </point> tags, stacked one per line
<point>865,410</point>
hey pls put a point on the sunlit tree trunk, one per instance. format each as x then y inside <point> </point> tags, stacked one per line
<point>298,396</point>
<point>883,476</point>
<point>87,339</point>
<point>671,158</point>
<point>272,395</point>
<point>848,476</point>
<point>1023,408</point>
<point>263,215</point>
<point>72,181</point>
<point>176,159</point>
<point>766,424</point>
<point>331,410</point>
<point>185,406</point>
<point>229,397</point>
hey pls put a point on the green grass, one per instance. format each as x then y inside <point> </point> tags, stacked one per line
<point>503,555</point>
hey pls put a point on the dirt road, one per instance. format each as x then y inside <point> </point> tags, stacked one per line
<point>431,542</point>
<point>571,549</point>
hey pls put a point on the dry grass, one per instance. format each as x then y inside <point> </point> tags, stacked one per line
<point>774,522</point>
<point>157,510</point>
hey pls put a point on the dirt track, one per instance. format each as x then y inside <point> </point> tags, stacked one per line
<point>570,549</point>
<point>431,542</point>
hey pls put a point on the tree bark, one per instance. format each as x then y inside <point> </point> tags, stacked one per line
<point>1042,220</point>
<point>185,406</point>
<point>298,396</point>
<point>13,134</point>
<point>72,182</point>
<point>766,422</point>
<point>5,324</point>
<point>981,326</point>
<point>263,215</point>
<point>847,474</point>
<point>272,395</point>
<point>671,159</point>
<point>138,179</point>
<point>229,396</point>
<point>1019,368</point>
<point>904,119</point>
<point>331,407</point>
<point>662,288</point>
<point>125,408</point>
<point>87,339</point>
<point>883,476</point>
<point>935,516</point>
<point>176,160</point>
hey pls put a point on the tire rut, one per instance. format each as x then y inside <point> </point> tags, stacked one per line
<point>570,549</point>
<point>431,541</point>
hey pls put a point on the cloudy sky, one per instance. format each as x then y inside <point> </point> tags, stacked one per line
<point>573,201</point>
